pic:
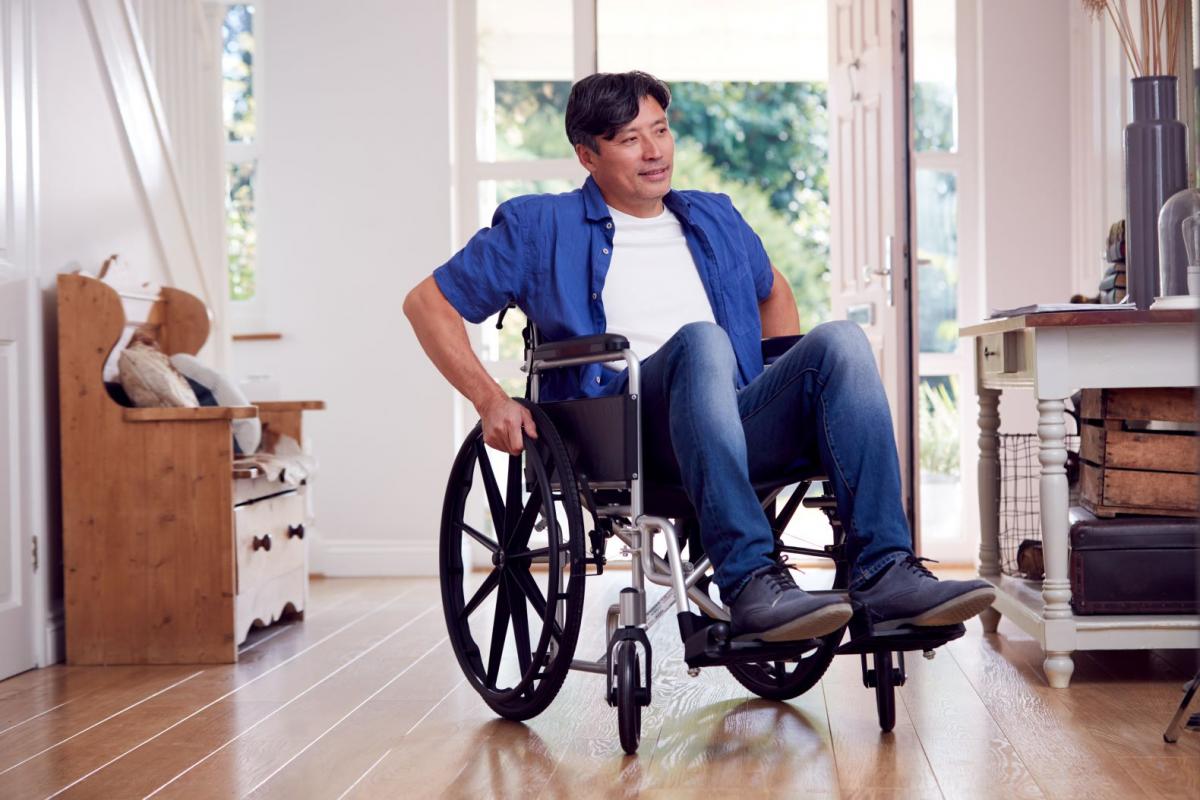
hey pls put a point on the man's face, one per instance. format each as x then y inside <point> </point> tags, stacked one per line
<point>633,170</point>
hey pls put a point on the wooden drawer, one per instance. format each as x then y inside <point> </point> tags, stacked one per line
<point>1004,353</point>
<point>269,539</point>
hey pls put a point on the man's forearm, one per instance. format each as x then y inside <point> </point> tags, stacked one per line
<point>778,312</point>
<point>443,335</point>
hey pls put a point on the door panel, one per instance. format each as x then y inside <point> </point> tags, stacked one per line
<point>869,195</point>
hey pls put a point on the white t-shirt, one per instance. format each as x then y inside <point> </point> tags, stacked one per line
<point>652,288</point>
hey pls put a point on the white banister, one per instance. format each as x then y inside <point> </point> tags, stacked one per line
<point>162,58</point>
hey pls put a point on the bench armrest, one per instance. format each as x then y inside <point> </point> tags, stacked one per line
<point>776,346</point>
<point>291,405</point>
<point>202,414</point>
<point>581,347</point>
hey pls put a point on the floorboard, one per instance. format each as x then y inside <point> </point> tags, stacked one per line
<point>365,699</point>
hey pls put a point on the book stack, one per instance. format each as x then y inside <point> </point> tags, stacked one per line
<point>1112,285</point>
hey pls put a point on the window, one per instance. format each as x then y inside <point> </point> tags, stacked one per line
<point>943,174</point>
<point>239,102</point>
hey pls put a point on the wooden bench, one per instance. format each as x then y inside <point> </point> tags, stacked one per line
<point>170,555</point>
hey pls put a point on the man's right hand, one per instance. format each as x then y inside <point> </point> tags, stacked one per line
<point>503,421</point>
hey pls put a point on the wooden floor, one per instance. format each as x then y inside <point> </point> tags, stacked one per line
<point>365,699</point>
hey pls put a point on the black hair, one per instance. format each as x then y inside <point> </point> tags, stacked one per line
<point>601,104</point>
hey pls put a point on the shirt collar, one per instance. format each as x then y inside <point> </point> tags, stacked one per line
<point>595,209</point>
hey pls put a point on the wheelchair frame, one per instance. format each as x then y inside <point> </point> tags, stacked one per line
<point>706,636</point>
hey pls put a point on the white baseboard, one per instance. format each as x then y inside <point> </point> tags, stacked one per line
<point>368,558</point>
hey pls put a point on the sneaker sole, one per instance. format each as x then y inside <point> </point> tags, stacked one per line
<point>951,612</point>
<point>826,619</point>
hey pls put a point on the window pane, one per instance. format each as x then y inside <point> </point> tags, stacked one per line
<point>237,68</point>
<point>749,113</point>
<point>525,69</point>
<point>240,230</point>
<point>934,102</point>
<point>940,455</point>
<point>937,261</point>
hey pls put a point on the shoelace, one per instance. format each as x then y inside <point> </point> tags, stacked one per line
<point>914,564</point>
<point>779,579</point>
<point>783,562</point>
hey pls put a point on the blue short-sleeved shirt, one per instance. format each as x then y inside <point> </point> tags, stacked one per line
<point>550,254</point>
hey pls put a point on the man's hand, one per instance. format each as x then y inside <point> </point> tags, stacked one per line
<point>503,421</point>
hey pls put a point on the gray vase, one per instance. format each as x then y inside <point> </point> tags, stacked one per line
<point>1155,169</point>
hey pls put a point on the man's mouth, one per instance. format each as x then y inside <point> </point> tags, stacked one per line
<point>657,174</point>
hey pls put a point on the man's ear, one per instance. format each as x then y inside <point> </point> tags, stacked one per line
<point>587,157</point>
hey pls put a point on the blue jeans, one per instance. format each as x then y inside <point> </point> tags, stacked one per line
<point>820,408</point>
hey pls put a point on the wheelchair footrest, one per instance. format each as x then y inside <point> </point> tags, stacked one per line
<point>867,638</point>
<point>707,643</point>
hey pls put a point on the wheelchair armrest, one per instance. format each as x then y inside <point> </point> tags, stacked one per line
<point>581,347</point>
<point>776,346</point>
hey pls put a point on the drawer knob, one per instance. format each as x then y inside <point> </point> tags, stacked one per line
<point>295,531</point>
<point>262,542</point>
<point>988,352</point>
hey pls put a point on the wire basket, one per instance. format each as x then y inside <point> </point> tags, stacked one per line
<point>1020,472</point>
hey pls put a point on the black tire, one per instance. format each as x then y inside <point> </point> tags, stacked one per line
<point>885,691</point>
<point>783,680</point>
<point>629,709</point>
<point>523,690</point>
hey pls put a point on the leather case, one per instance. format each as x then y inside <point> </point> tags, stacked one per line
<point>1134,565</point>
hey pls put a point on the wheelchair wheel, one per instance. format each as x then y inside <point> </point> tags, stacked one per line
<point>885,691</point>
<point>783,680</point>
<point>534,541</point>
<point>629,709</point>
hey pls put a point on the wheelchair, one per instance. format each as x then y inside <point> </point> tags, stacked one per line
<point>587,456</point>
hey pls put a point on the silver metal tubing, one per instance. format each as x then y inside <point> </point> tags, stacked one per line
<point>697,572</point>
<point>596,358</point>
<point>583,665</point>
<point>674,559</point>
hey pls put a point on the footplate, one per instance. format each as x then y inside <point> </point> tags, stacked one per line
<point>707,643</point>
<point>865,638</point>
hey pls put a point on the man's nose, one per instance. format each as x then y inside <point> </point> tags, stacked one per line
<point>650,150</point>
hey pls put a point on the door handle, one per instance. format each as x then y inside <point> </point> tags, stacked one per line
<point>885,272</point>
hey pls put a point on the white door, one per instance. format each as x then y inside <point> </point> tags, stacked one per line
<point>16,543</point>
<point>869,197</point>
<point>22,431</point>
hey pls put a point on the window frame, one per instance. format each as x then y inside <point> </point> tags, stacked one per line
<point>245,315</point>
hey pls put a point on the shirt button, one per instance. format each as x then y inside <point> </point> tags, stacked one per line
<point>608,224</point>
<point>597,379</point>
<point>593,295</point>
<point>605,251</point>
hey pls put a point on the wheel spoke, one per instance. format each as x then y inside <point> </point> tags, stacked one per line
<point>541,551</point>
<point>495,501</point>
<point>489,583</point>
<point>779,669</point>
<point>530,589</point>
<point>499,633</point>
<point>520,621</point>
<point>479,537</point>
<point>519,538</point>
<point>512,498</point>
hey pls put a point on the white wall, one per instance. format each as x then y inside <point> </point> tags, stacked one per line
<point>90,205</point>
<point>354,209</point>
<point>1025,164</point>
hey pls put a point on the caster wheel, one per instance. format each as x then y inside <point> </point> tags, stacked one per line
<point>629,709</point>
<point>783,680</point>
<point>885,692</point>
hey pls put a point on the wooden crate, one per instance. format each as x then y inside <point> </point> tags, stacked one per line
<point>1125,470</point>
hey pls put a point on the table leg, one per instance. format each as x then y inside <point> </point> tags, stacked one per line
<point>989,495</point>
<point>1053,499</point>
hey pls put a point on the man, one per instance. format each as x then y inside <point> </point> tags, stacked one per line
<point>683,276</point>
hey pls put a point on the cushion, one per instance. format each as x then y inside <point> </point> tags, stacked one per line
<point>247,433</point>
<point>148,378</point>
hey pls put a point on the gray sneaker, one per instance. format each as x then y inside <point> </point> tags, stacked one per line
<point>906,593</point>
<point>773,608</point>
